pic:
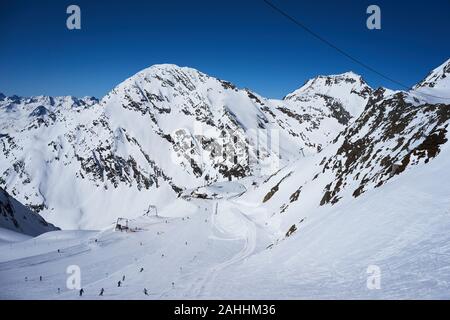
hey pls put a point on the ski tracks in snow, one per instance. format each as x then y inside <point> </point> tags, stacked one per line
<point>249,238</point>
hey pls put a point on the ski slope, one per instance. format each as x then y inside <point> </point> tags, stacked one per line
<point>189,251</point>
<point>402,228</point>
<point>376,197</point>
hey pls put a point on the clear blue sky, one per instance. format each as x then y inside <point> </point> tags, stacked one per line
<point>245,42</point>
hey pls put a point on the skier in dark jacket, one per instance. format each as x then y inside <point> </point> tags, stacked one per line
<point>142,269</point>
<point>81,292</point>
<point>119,283</point>
<point>123,278</point>
<point>101,292</point>
<point>145,291</point>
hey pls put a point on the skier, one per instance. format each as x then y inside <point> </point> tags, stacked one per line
<point>145,291</point>
<point>173,284</point>
<point>81,292</point>
<point>40,278</point>
<point>101,292</point>
<point>123,278</point>
<point>162,255</point>
<point>142,269</point>
<point>59,251</point>
<point>186,242</point>
<point>119,283</point>
<point>59,290</point>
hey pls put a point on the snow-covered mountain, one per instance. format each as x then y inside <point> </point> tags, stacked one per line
<point>158,135</point>
<point>347,91</point>
<point>320,109</point>
<point>16,217</point>
<point>396,132</point>
<point>357,185</point>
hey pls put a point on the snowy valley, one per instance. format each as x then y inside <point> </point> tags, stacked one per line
<point>225,193</point>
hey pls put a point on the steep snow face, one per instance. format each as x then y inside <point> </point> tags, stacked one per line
<point>205,125</point>
<point>435,88</point>
<point>388,138</point>
<point>347,91</point>
<point>161,133</point>
<point>16,217</point>
<point>39,138</point>
<point>320,109</point>
<point>395,133</point>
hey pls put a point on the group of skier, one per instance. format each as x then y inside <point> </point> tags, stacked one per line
<point>119,284</point>
<point>102,290</point>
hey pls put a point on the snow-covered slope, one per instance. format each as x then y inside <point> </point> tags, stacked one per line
<point>7,236</point>
<point>435,88</point>
<point>395,133</point>
<point>373,196</point>
<point>223,249</point>
<point>157,135</point>
<point>400,230</point>
<point>18,218</point>
<point>320,109</point>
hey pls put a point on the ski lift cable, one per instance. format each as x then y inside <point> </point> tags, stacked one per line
<point>344,53</point>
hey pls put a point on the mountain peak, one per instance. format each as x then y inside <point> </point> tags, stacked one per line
<point>349,75</point>
<point>322,83</point>
<point>165,75</point>
<point>349,89</point>
<point>166,68</point>
<point>345,75</point>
